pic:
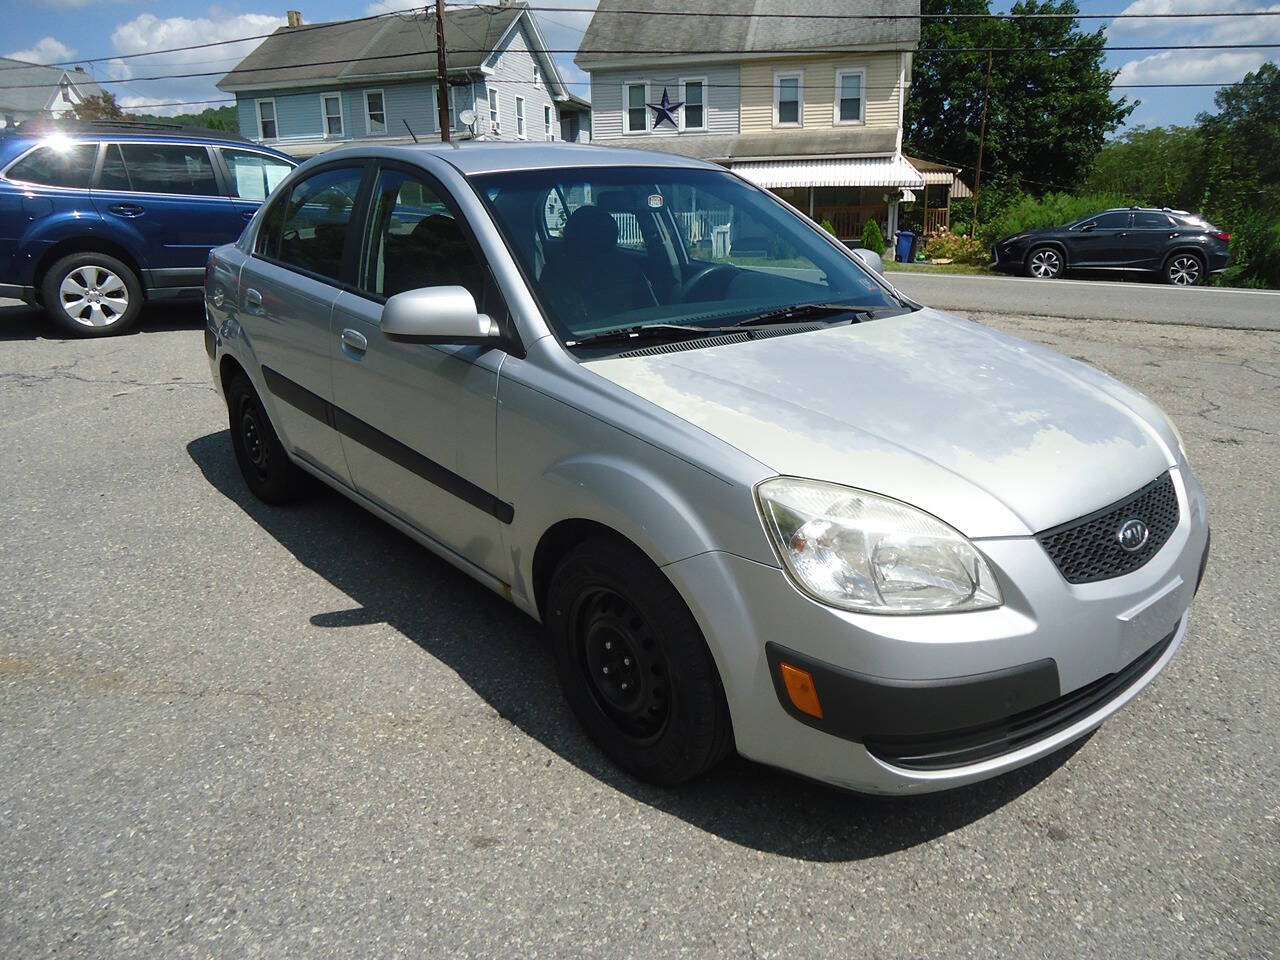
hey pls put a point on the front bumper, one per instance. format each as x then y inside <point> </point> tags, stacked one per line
<point>930,702</point>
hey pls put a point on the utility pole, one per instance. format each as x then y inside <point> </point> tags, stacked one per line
<point>982,136</point>
<point>442,68</point>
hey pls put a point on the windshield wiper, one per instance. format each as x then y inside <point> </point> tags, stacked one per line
<point>650,331</point>
<point>800,312</point>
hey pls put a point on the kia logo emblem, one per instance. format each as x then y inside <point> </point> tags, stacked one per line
<point>1133,535</point>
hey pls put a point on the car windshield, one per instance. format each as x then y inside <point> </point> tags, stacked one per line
<point>628,248</point>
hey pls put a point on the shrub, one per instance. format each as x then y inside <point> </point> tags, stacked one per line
<point>1051,210</point>
<point>957,247</point>
<point>830,227</point>
<point>872,238</point>
<point>1255,252</point>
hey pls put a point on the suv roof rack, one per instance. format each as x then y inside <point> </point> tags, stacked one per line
<point>45,125</point>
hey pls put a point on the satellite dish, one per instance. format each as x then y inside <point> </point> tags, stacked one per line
<point>468,117</point>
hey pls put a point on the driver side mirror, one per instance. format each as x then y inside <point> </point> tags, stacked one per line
<point>437,315</point>
<point>871,259</point>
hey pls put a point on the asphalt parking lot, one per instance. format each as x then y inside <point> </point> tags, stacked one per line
<point>233,730</point>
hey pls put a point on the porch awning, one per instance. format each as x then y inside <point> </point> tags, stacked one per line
<point>846,172</point>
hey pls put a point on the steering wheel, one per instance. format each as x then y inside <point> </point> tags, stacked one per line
<point>700,278</point>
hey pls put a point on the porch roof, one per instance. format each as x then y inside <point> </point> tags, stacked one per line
<point>892,171</point>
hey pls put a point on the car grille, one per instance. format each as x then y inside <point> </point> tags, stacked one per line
<point>1088,549</point>
<point>961,748</point>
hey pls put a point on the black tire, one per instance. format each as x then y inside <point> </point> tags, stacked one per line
<point>91,295</point>
<point>1045,263</point>
<point>1183,270</point>
<point>267,470</point>
<point>614,620</point>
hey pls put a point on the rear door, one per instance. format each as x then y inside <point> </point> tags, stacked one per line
<point>251,176</point>
<point>300,262</point>
<point>169,197</point>
<point>1100,242</point>
<point>1149,238</point>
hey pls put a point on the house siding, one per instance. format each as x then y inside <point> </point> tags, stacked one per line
<point>510,72</point>
<point>881,90</point>
<point>721,99</point>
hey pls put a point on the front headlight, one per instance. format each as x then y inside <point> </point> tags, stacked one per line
<point>861,551</point>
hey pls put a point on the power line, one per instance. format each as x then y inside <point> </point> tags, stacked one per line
<point>414,11</point>
<point>400,56</point>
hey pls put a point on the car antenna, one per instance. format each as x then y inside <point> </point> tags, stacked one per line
<point>410,129</point>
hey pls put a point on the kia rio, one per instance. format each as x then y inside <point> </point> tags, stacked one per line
<point>759,500</point>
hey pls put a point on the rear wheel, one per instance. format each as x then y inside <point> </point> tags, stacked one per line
<point>633,664</point>
<point>267,470</point>
<point>1184,270</point>
<point>91,295</point>
<point>1044,263</point>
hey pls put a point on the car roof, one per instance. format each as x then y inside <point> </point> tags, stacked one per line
<point>158,136</point>
<point>488,156</point>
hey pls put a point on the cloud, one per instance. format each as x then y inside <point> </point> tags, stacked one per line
<point>44,50</point>
<point>149,32</point>
<point>392,6</point>
<point>1175,66</point>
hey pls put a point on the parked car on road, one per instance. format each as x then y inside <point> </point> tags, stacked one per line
<point>1182,248</point>
<point>95,219</point>
<point>765,503</point>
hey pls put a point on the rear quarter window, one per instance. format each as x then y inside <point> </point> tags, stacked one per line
<point>51,165</point>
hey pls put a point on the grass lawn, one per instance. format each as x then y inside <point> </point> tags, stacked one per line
<point>894,266</point>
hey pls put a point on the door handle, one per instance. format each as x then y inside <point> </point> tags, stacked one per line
<point>246,215</point>
<point>127,209</point>
<point>252,301</point>
<point>1122,234</point>
<point>354,341</point>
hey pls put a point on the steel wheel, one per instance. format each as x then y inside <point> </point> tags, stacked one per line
<point>1045,263</point>
<point>623,664</point>
<point>93,296</point>
<point>1184,270</point>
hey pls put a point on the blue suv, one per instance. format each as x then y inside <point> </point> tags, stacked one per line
<point>96,219</point>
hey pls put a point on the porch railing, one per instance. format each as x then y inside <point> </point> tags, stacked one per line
<point>849,221</point>
<point>935,218</point>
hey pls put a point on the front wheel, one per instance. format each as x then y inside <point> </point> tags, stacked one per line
<point>1044,263</point>
<point>1184,270</point>
<point>91,295</point>
<point>634,665</point>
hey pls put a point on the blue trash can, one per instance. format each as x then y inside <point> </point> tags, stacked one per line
<point>906,239</point>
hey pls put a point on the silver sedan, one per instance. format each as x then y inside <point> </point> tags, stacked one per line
<point>760,500</point>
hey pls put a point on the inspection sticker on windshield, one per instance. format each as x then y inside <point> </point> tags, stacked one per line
<point>655,200</point>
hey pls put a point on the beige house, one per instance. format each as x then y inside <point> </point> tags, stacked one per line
<point>809,106</point>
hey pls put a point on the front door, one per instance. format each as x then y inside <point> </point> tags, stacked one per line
<point>1101,242</point>
<point>288,288</point>
<point>169,196</point>
<point>418,421</point>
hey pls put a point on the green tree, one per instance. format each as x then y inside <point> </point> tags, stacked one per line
<point>1157,166</point>
<point>1050,106</point>
<point>873,238</point>
<point>100,107</point>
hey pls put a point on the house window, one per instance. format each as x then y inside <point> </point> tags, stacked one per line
<point>453,108</point>
<point>788,99</point>
<point>375,112</point>
<point>849,99</point>
<point>546,122</point>
<point>267,129</point>
<point>694,115</point>
<point>537,75</point>
<point>331,107</point>
<point>634,95</point>
<point>494,127</point>
<point>520,118</point>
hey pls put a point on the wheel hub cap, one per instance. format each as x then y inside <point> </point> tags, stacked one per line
<point>624,665</point>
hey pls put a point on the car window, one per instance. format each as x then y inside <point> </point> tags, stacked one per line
<point>254,175</point>
<point>114,176</point>
<point>1110,221</point>
<point>1149,219</point>
<point>170,168</point>
<point>308,230</point>
<point>610,247</point>
<point>57,165</point>
<point>415,241</point>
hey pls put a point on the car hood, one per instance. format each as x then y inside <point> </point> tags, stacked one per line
<point>994,435</point>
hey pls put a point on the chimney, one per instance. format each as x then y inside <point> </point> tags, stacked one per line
<point>293,17</point>
<point>79,68</point>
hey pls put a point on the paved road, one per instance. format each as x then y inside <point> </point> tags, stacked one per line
<point>1094,299</point>
<point>232,730</point>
